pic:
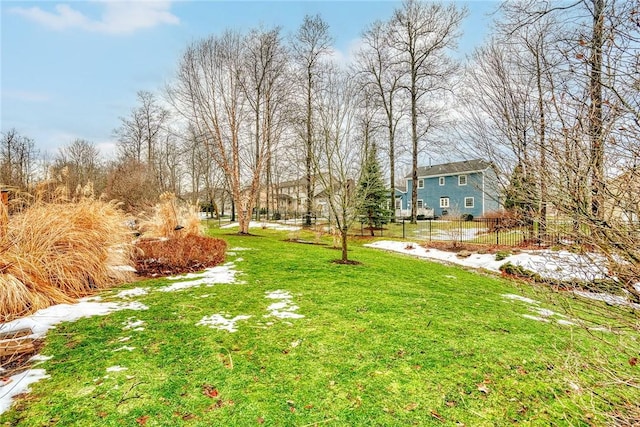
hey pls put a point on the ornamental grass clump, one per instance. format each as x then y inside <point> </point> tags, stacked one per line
<point>172,241</point>
<point>171,219</point>
<point>53,253</point>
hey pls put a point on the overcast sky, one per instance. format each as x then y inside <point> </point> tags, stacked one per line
<point>71,69</point>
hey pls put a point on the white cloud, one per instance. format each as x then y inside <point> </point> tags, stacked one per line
<point>118,17</point>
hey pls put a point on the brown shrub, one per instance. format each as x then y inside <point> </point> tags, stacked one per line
<point>178,255</point>
<point>52,253</point>
<point>502,220</point>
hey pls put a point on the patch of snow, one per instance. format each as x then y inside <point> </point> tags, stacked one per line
<point>219,321</point>
<point>40,358</point>
<point>124,348</point>
<point>135,292</point>
<point>557,265</point>
<point>239,249</point>
<point>221,274</point>
<point>566,322</point>
<point>18,384</point>
<point>608,298</point>
<point>131,323</point>
<point>285,308</point>
<point>124,339</point>
<point>539,319</point>
<point>560,265</point>
<point>520,298</point>
<point>43,320</point>
<point>116,368</point>
<point>464,234</point>
<point>544,312</point>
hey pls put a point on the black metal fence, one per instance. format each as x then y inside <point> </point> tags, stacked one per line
<point>490,231</point>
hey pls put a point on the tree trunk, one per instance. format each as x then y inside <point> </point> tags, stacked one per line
<point>307,221</point>
<point>343,235</point>
<point>595,113</point>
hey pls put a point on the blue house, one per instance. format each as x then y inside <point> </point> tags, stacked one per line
<point>467,187</point>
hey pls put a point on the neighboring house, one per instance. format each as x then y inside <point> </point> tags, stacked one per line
<point>291,197</point>
<point>623,196</point>
<point>467,187</point>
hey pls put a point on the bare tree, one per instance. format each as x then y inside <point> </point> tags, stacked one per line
<point>311,43</point>
<point>210,92</point>
<point>421,35</point>
<point>339,154</point>
<point>265,60</point>
<point>382,79</point>
<point>82,164</point>
<point>18,157</point>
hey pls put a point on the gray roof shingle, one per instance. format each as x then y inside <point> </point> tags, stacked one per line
<point>452,168</point>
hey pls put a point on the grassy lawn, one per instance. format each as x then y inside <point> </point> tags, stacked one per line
<point>394,341</point>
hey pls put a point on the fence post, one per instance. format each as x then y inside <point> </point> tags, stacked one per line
<point>403,231</point>
<point>497,231</point>
<point>430,230</point>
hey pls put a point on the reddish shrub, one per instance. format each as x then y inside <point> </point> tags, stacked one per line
<point>501,220</point>
<point>173,256</point>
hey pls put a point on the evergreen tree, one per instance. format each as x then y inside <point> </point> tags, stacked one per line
<point>372,192</point>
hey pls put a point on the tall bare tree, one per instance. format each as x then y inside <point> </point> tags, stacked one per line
<point>215,90</point>
<point>421,36</point>
<point>265,60</point>
<point>382,78</point>
<point>310,45</point>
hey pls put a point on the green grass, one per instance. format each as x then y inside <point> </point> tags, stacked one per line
<point>393,341</point>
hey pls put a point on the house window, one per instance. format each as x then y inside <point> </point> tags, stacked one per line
<point>398,203</point>
<point>441,180</point>
<point>444,202</point>
<point>421,183</point>
<point>468,202</point>
<point>462,180</point>
<point>420,204</point>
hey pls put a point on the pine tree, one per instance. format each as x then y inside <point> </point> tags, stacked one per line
<point>372,192</point>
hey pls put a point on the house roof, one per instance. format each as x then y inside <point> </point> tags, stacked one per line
<point>452,168</point>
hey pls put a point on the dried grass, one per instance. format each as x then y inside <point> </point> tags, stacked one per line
<point>55,252</point>
<point>171,219</point>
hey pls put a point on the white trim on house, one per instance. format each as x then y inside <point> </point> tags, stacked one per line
<point>483,196</point>
<point>420,183</point>
<point>444,202</point>
<point>460,183</point>
<point>441,181</point>
<point>471,205</point>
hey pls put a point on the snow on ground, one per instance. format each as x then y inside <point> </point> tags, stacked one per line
<point>284,308</point>
<point>40,322</point>
<point>222,322</point>
<point>461,234</point>
<point>558,265</point>
<point>135,292</point>
<point>18,384</point>
<point>43,320</point>
<point>269,225</point>
<point>209,277</point>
